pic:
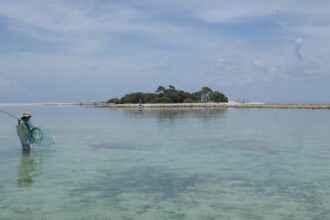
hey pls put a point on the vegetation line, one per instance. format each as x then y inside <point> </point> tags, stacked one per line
<point>171,95</point>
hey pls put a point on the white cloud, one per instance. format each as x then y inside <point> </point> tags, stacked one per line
<point>226,11</point>
<point>166,41</point>
<point>233,12</point>
<point>72,28</point>
<point>60,17</point>
<point>85,30</point>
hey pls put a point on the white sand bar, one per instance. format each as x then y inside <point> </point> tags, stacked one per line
<point>217,105</point>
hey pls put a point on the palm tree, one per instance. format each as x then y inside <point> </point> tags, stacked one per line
<point>206,89</point>
<point>160,90</point>
<point>171,87</point>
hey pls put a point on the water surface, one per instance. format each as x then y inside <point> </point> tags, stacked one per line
<point>168,164</point>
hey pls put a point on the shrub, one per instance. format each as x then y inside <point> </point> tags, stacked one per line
<point>114,101</point>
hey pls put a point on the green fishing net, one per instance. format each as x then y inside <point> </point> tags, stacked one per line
<point>30,134</point>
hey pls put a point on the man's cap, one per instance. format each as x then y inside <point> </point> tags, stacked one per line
<point>26,114</point>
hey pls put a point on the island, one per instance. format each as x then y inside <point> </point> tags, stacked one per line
<point>171,95</point>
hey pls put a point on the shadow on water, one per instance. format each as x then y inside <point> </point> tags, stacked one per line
<point>26,170</point>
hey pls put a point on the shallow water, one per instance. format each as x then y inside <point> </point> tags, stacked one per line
<point>168,164</point>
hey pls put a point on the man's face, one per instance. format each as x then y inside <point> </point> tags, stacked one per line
<point>26,118</point>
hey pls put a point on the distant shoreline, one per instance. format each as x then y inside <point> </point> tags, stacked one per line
<point>38,104</point>
<point>179,105</point>
<point>216,105</point>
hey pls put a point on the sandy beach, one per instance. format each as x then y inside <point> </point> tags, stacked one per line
<point>216,105</point>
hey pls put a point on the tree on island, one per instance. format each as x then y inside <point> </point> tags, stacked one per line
<point>171,95</point>
<point>206,89</point>
<point>171,87</point>
<point>160,90</point>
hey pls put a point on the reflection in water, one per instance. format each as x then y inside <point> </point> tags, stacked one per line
<point>25,170</point>
<point>173,114</point>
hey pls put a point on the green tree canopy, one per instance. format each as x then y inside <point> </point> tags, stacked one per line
<point>160,89</point>
<point>171,95</point>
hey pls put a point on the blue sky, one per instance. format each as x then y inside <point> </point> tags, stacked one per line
<point>272,51</point>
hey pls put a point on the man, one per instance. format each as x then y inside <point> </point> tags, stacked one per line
<point>24,131</point>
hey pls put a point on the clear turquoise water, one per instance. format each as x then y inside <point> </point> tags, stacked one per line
<point>168,164</point>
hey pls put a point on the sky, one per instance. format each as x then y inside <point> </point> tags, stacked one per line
<point>94,50</point>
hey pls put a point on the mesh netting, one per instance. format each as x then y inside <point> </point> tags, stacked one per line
<point>29,134</point>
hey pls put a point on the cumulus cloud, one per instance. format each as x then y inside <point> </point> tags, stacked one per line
<point>241,70</point>
<point>229,42</point>
<point>70,27</point>
<point>87,30</point>
<point>61,17</point>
